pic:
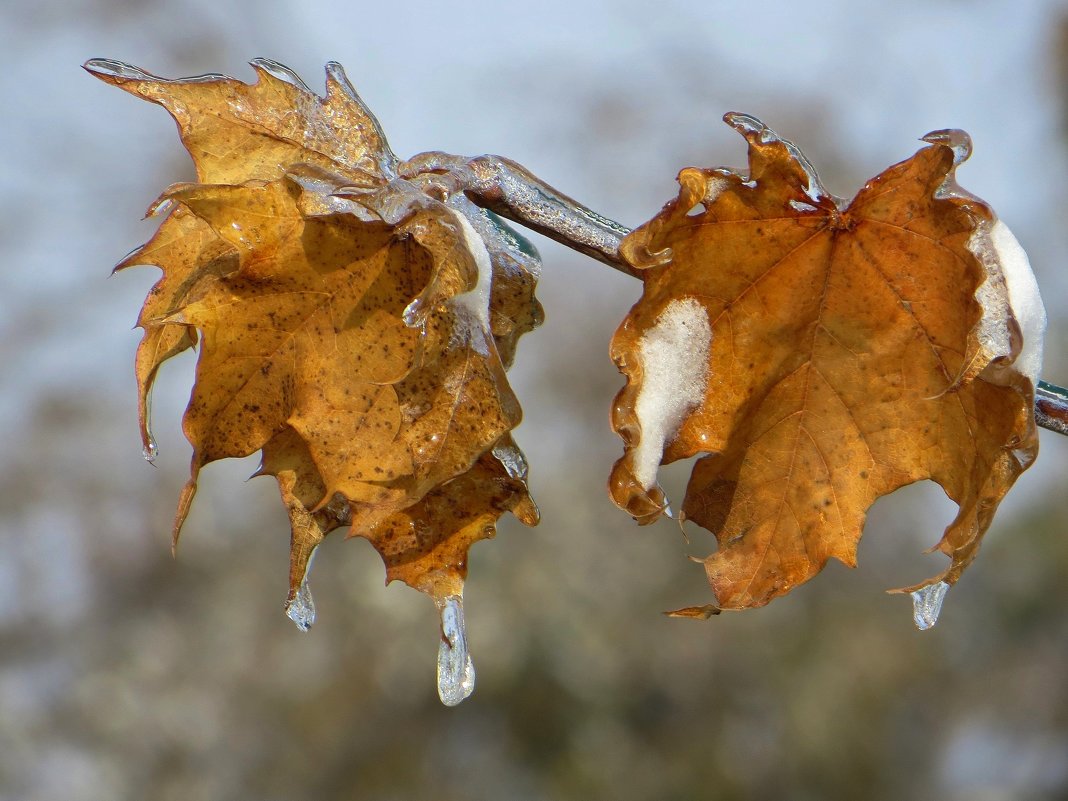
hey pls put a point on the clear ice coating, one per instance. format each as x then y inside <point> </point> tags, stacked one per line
<point>281,72</point>
<point>927,603</point>
<point>754,130</point>
<point>150,451</point>
<point>119,69</point>
<point>301,608</point>
<point>955,139</point>
<point>456,671</point>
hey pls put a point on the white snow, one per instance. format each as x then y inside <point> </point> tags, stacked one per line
<point>1010,288</point>
<point>713,189</point>
<point>1024,299</point>
<point>674,361</point>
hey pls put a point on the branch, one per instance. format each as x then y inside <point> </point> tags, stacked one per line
<point>1051,407</point>
<point>512,191</point>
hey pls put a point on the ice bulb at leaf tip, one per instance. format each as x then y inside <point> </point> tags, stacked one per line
<point>955,139</point>
<point>301,607</point>
<point>927,604</point>
<point>456,671</point>
<point>150,451</point>
<point>115,69</point>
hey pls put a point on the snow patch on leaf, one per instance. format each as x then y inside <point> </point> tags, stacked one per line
<point>674,359</point>
<point>1010,292</point>
<point>1024,298</point>
<point>886,340</point>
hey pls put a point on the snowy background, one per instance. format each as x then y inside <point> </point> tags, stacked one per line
<point>125,674</point>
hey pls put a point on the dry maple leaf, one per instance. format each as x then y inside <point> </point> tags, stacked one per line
<point>821,354</point>
<point>354,326</point>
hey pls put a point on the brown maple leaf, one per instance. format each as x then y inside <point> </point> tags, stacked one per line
<point>354,326</point>
<point>821,354</point>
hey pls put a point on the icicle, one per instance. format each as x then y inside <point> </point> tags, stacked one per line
<point>927,603</point>
<point>301,607</point>
<point>456,672</point>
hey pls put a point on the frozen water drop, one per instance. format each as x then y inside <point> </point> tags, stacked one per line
<point>456,671</point>
<point>955,139</point>
<point>512,459</point>
<point>927,603</point>
<point>414,313</point>
<point>150,451</point>
<point>301,607</point>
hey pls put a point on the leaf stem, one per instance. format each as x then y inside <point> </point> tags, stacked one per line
<point>1051,407</point>
<point>512,191</point>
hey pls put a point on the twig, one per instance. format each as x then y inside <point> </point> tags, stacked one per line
<point>1051,407</point>
<point>513,192</point>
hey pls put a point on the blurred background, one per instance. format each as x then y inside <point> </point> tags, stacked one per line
<point>125,674</point>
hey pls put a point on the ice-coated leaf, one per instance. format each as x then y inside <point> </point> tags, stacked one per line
<point>819,354</point>
<point>353,326</point>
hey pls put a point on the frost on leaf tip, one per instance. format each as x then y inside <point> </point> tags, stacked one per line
<point>354,326</point>
<point>852,348</point>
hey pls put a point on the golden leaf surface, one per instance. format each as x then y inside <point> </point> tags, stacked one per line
<point>819,354</point>
<point>354,326</point>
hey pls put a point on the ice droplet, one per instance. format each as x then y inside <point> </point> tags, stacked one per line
<point>301,607</point>
<point>456,671</point>
<point>150,451</point>
<point>512,459</point>
<point>927,603</point>
<point>414,313</point>
<point>955,139</point>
